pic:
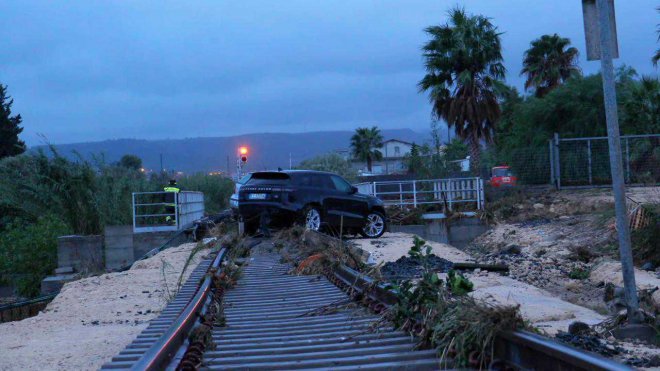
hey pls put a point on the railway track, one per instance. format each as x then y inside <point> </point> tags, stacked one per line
<point>274,320</point>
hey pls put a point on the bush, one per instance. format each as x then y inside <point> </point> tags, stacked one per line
<point>579,274</point>
<point>217,190</point>
<point>28,252</point>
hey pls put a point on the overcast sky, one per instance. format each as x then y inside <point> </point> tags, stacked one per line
<point>93,70</point>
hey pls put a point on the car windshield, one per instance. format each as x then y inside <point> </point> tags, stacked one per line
<point>268,178</point>
<point>501,172</point>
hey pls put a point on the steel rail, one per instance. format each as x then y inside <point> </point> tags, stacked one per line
<point>162,351</point>
<point>520,348</point>
<point>21,303</point>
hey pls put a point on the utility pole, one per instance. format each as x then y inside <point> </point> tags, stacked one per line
<point>606,42</point>
<point>290,161</point>
<point>161,163</point>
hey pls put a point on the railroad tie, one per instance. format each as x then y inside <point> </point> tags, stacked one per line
<point>275,320</point>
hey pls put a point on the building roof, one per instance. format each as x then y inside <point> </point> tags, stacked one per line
<point>397,140</point>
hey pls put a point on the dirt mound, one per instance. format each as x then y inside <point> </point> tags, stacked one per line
<point>407,267</point>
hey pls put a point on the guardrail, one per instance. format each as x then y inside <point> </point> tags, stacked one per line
<point>451,191</point>
<point>166,211</point>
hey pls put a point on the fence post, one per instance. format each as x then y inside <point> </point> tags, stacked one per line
<point>589,159</point>
<point>480,193</point>
<point>176,210</point>
<point>475,183</point>
<point>401,194</point>
<point>557,164</point>
<point>551,159</point>
<point>134,211</point>
<point>627,162</point>
<point>450,193</point>
<point>414,194</point>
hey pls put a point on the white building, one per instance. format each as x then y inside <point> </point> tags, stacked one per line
<point>394,152</point>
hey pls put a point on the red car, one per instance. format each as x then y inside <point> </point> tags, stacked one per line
<point>501,176</point>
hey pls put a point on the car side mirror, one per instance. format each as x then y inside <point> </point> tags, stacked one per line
<point>354,190</point>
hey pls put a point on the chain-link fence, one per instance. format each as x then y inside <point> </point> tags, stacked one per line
<point>586,162</point>
<point>581,162</point>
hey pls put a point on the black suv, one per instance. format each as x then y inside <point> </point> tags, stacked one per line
<point>315,198</point>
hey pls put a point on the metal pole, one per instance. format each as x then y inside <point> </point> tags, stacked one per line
<point>176,209</point>
<point>134,211</point>
<point>616,163</point>
<point>589,158</point>
<point>414,194</point>
<point>551,158</point>
<point>627,161</point>
<point>557,165</point>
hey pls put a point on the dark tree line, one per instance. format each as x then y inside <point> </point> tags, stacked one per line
<point>10,144</point>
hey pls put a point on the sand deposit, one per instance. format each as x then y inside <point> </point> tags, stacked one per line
<point>392,246</point>
<point>540,307</point>
<point>94,318</point>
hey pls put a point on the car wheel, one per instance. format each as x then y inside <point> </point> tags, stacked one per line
<point>374,226</point>
<point>312,218</point>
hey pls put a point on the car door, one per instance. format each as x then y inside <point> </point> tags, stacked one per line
<point>353,206</point>
<point>332,203</point>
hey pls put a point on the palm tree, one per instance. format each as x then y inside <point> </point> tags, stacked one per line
<point>463,68</point>
<point>549,62</point>
<point>365,143</point>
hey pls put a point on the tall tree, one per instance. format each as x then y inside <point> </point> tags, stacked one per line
<point>463,68</point>
<point>365,144</point>
<point>130,162</point>
<point>10,144</point>
<point>548,62</point>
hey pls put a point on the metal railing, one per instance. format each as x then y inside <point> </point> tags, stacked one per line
<point>414,193</point>
<point>166,211</point>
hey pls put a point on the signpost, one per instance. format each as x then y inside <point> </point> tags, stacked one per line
<point>600,32</point>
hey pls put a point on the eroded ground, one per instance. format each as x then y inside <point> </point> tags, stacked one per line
<point>93,319</point>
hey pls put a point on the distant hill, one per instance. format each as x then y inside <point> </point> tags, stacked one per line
<point>267,150</point>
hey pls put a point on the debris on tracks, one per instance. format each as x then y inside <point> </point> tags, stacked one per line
<point>407,267</point>
<point>590,342</point>
<point>311,252</point>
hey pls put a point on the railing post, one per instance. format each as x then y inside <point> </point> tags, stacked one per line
<point>134,211</point>
<point>176,210</point>
<point>557,162</point>
<point>589,158</point>
<point>414,194</point>
<point>551,159</point>
<point>450,193</point>
<point>481,194</point>
<point>401,194</point>
<point>627,161</point>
